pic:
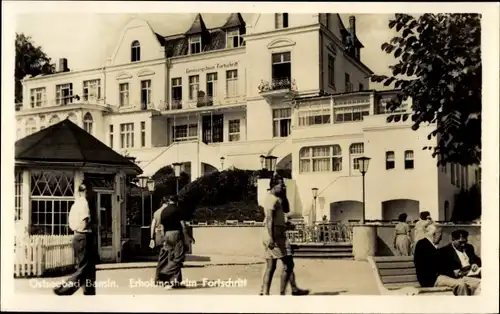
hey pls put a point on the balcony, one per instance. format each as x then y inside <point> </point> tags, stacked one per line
<point>278,88</point>
<point>60,102</point>
<point>200,103</point>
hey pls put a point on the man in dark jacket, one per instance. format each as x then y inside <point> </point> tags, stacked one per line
<point>426,257</point>
<point>459,262</point>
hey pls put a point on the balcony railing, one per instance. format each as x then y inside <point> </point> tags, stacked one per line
<point>61,101</point>
<point>276,84</point>
<point>321,232</point>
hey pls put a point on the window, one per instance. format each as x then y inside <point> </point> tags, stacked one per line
<point>351,113</point>
<point>355,151</point>
<point>52,194</point>
<point>315,115</point>
<point>124,95</point>
<point>185,132</point>
<point>135,51</point>
<point>361,87</point>
<point>281,70</point>
<point>19,195</point>
<point>320,159</point>
<point>194,86</point>
<point>30,127</point>
<point>143,134</point>
<point>348,84</point>
<point>54,119</point>
<point>176,93</point>
<point>281,20</point>
<point>389,160</point>
<point>232,83</point>
<point>234,130</point>
<point>64,94</point>
<point>127,135</point>
<point>282,122</point>
<point>92,90</point>
<point>111,136</point>
<point>331,71</point>
<point>37,97</point>
<point>145,94</point>
<point>195,44</point>
<point>88,122</point>
<point>409,163</point>
<point>233,38</point>
<point>211,85</point>
<point>384,108</point>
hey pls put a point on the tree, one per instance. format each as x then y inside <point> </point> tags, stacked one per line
<point>439,67</point>
<point>30,60</point>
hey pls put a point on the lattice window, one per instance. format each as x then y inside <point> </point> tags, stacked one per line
<point>101,181</point>
<point>52,194</point>
<point>58,184</point>
<point>19,196</point>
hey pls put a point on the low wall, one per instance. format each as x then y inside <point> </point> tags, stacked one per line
<point>228,240</point>
<point>385,237</point>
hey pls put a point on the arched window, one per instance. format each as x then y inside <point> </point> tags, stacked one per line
<point>355,151</point>
<point>320,158</point>
<point>88,122</point>
<point>54,119</point>
<point>136,51</point>
<point>30,126</point>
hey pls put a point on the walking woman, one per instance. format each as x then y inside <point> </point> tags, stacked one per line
<point>276,244</point>
<point>402,236</point>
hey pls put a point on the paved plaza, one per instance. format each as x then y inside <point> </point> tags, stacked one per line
<point>322,277</point>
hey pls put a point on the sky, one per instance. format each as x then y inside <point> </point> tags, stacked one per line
<point>88,39</point>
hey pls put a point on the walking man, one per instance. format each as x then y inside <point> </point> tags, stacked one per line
<point>276,243</point>
<point>176,237</point>
<point>84,246</point>
<point>158,240</point>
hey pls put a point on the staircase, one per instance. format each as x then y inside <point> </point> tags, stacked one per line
<point>323,250</point>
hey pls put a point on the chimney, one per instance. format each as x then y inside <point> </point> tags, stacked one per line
<point>62,65</point>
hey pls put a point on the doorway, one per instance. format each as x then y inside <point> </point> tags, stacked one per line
<point>105,220</point>
<point>213,128</point>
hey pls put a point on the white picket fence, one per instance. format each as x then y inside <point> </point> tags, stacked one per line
<point>36,254</point>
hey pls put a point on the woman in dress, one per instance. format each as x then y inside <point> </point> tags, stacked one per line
<point>402,237</point>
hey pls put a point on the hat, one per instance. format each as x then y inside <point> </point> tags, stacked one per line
<point>82,188</point>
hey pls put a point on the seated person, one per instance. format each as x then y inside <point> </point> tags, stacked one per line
<point>459,262</point>
<point>428,263</point>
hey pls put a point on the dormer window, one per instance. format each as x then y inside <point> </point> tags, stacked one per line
<point>233,38</point>
<point>281,20</point>
<point>136,51</point>
<point>195,44</point>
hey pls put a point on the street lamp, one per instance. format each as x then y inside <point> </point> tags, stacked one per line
<point>143,181</point>
<point>177,172</point>
<point>364,162</point>
<point>222,159</point>
<point>315,196</point>
<point>270,163</point>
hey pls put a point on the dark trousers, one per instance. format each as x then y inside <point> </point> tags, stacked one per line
<point>85,249</point>
<point>287,276</point>
<point>162,263</point>
<point>176,253</point>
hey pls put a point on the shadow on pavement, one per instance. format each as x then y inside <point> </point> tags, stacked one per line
<point>329,292</point>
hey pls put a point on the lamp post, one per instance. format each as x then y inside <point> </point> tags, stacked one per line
<point>364,162</point>
<point>222,159</point>
<point>177,171</point>
<point>270,163</point>
<point>143,181</point>
<point>315,196</point>
<point>151,189</point>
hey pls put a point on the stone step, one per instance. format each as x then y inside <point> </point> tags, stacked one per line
<point>324,255</point>
<point>325,250</point>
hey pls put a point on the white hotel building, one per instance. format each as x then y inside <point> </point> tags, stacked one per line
<point>288,85</point>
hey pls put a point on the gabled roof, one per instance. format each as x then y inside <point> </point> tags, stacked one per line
<point>65,142</point>
<point>234,20</point>
<point>198,26</point>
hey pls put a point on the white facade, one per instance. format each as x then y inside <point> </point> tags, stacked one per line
<point>248,90</point>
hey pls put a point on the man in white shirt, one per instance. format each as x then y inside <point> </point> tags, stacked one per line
<point>460,263</point>
<point>79,220</point>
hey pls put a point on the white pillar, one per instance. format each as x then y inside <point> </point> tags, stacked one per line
<point>372,104</point>
<point>332,114</point>
<point>25,202</point>
<point>116,219</point>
